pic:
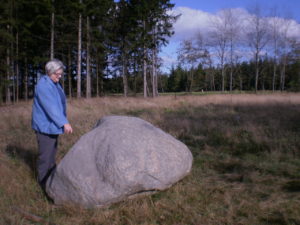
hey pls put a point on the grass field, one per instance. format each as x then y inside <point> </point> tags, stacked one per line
<point>246,168</point>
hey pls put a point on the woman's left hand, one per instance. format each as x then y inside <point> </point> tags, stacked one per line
<point>68,129</point>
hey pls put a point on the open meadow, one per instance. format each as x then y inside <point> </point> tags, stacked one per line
<point>246,168</point>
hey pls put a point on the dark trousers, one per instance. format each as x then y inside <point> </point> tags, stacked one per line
<point>47,146</point>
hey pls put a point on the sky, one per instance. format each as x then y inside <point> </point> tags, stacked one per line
<point>195,16</point>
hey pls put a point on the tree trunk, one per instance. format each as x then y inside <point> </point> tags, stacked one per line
<point>156,82</point>
<point>124,75</point>
<point>102,82</point>
<point>154,66</point>
<point>12,69</point>
<point>274,75</point>
<point>212,78</point>
<point>97,79</point>
<point>70,73</point>
<point>282,74</point>
<point>145,66</point>
<point>162,90</point>
<point>153,75</point>
<point>135,72</point>
<point>63,82</point>
<point>79,55</point>
<point>284,49</point>
<point>26,80</point>
<point>52,33</point>
<point>256,71</point>
<point>145,74</point>
<point>256,79</point>
<point>223,78</point>
<point>231,65</point>
<point>223,70</point>
<point>148,91</point>
<point>231,77</point>
<point>8,97</point>
<point>191,80</point>
<point>241,83</point>
<point>17,67</point>
<point>88,70</point>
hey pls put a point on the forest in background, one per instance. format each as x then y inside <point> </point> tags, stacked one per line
<point>99,41</point>
<point>113,47</point>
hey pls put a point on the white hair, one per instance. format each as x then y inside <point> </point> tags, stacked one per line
<point>53,65</point>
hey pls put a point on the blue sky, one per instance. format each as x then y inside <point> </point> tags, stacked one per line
<point>290,6</point>
<point>195,17</point>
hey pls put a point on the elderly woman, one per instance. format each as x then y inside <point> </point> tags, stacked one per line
<point>49,118</point>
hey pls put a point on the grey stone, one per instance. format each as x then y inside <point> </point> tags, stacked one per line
<point>121,157</point>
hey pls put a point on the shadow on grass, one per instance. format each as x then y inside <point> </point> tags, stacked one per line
<point>28,156</point>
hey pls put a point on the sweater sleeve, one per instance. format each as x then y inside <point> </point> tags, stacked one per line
<point>50,102</point>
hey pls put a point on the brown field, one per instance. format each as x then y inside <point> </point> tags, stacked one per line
<point>246,168</point>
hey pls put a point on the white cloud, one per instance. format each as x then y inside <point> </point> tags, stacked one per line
<point>193,21</point>
<point>294,29</point>
<point>190,22</point>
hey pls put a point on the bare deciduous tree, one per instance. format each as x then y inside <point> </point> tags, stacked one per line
<point>233,34</point>
<point>210,75</point>
<point>190,54</point>
<point>284,42</point>
<point>274,29</point>
<point>257,37</point>
<point>219,40</point>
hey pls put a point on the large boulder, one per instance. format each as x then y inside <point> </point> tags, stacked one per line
<point>120,157</point>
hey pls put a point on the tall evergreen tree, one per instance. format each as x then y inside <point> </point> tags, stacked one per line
<point>79,53</point>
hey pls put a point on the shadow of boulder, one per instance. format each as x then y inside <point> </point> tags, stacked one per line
<point>292,186</point>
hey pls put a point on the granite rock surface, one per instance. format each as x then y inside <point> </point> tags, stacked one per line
<point>120,157</point>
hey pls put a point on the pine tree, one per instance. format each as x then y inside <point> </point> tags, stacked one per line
<point>79,53</point>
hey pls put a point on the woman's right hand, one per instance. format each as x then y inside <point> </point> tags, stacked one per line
<point>68,129</point>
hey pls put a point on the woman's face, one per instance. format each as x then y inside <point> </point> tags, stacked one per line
<point>55,77</point>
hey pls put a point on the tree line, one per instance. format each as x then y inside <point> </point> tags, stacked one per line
<point>99,41</point>
<point>113,47</point>
<point>238,52</point>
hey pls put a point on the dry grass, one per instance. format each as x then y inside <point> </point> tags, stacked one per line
<point>246,161</point>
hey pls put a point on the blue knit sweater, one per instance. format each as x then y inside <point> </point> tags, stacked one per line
<point>49,107</point>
